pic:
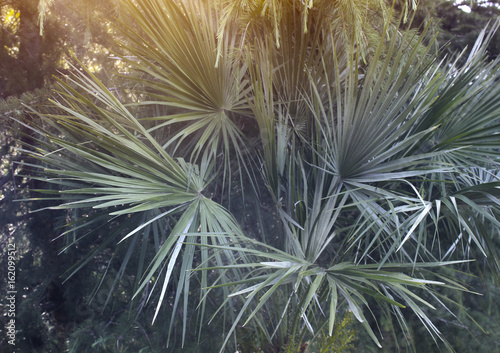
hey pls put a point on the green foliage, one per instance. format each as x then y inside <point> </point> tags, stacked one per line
<point>30,60</point>
<point>342,339</point>
<point>460,29</point>
<point>370,168</point>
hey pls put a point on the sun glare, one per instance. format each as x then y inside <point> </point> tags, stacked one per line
<point>465,8</point>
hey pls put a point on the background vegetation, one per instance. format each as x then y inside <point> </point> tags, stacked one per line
<point>92,310</point>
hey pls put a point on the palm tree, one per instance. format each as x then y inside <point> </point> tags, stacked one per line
<point>371,165</point>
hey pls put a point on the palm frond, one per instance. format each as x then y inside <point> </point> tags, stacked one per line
<point>380,164</point>
<point>177,61</point>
